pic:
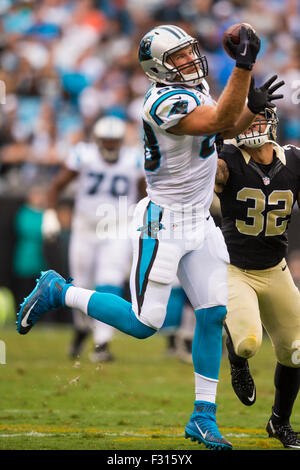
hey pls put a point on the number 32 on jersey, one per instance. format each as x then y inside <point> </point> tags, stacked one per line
<point>274,221</point>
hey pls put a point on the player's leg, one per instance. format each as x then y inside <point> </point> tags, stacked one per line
<point>185,334</point>
<point>52,291</point>
<point>153,272</point>
<point>112,265</point>
<point>244,331</point>
<point>174,317</point>
<point>81,264</point>
<point>203,275</point>
<point>280,313</point>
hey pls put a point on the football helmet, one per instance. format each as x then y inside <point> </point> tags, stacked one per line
<point>156,48</point>
<point>109,133</point>
<point>262,130</point>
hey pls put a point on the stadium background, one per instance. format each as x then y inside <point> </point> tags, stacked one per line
<point>65,63</point>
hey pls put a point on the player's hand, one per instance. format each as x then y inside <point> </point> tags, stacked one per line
<point>246,51</point>
<point>50,224</point>
<point>262,97</point>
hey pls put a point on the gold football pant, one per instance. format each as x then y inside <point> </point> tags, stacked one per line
<point>265,297</point>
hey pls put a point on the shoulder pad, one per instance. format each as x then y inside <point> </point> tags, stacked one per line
<point>172,105</point>
<point>232,155</point>
<point>292,156</point>
<point>289,148</point>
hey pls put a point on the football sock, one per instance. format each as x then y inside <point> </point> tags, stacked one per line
<point>207,342</point>
<point>232,356</point>
<point>77,297</point>
<point>175,308</point>
<point>287,383</point>
<point>109,289</point>
<point>108,308</point>
<point>205,389</point>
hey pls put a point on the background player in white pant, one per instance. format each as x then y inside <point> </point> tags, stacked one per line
<point>173,232</point>
<point>106,170</point>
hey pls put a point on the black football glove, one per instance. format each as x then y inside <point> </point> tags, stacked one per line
<point>246,51</point>
<point>262,97</point>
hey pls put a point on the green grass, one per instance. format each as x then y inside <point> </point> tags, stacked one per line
<point>141,401</point>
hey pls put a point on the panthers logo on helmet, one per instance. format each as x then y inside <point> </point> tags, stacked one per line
<point>145,49</point>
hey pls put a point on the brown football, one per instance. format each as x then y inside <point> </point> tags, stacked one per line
<point>234,33</point>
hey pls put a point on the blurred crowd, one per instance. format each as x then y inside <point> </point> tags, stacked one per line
<point>65,63</point>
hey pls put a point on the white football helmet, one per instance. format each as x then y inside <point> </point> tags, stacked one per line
<point>261,131</point>
<point>157,46</point>
<point>109,133</point>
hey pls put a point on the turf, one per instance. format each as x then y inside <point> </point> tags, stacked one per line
<point>141,401</point>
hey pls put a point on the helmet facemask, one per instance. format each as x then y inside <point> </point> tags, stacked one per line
<point>181,74</point>
<point>108,134</point>
<point>261,131</point>
<point>109,148</point>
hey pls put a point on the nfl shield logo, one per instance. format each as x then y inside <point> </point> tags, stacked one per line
<point>266,180</point>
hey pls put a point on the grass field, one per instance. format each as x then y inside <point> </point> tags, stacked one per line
<point>141,401</point>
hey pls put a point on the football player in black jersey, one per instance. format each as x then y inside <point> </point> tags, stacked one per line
<point>258,183</point>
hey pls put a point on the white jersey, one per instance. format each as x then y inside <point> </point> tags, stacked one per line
<point>179,169</point>
<point>100,184</point>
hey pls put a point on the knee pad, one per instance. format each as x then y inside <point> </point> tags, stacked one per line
<point>165,265</point>
<point>248,346</point>
<point>289,356</point>
<point>153,316</point>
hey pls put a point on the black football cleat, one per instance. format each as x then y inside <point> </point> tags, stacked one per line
<point>284,433</point>
<point>243,383</point>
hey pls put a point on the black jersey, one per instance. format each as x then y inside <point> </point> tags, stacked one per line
<point>256,205</point>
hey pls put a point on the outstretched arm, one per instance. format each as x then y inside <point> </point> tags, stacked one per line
<point>63,178</point>
<point>245,120</point>
<point>208,120</point>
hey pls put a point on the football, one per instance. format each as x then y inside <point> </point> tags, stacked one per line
<point>233,32</point>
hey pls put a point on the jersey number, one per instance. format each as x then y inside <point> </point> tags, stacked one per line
<point>207,146</point>
<point>273,226</point>
<point>119,184</point>
<point>152,153</point>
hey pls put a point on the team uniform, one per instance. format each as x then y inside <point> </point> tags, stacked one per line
<point>180,177</point>
<point>256,205</point>
<point>172,233</point>
<point>100,249</point>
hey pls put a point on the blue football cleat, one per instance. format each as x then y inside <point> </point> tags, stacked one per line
<point>202,427</point>
<point>47,295</point>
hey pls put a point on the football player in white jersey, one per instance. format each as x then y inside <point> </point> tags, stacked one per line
<point>173,232</point>
<point>106,170</point>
